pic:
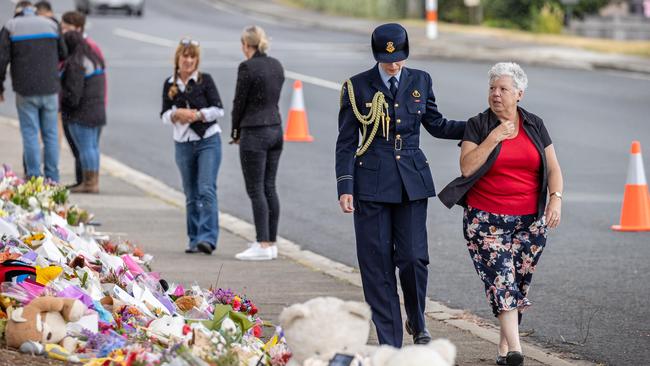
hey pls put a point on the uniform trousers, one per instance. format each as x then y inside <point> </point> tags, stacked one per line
<point>390,236</point>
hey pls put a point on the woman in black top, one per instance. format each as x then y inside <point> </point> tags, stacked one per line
<point>83,110</point>
<point>257,128</point>
<point>191,104</point>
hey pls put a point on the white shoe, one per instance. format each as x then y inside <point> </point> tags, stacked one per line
<point>255,253</point>
<point>274,248</point>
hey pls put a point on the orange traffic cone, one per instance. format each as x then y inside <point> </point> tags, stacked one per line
<point>635,213</point>
<point>297,126</point>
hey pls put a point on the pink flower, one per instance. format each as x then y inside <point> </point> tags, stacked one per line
<point>179,291</point>
<point>236,304</point>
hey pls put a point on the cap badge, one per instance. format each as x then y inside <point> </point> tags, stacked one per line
<point>416,94</point>
<point>390,47</point>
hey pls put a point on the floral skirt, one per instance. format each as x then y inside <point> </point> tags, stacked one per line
<point>505,250</point>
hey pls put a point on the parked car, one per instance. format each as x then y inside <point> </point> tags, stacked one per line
<point>132,7</point>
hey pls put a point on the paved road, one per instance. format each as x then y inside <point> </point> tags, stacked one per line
<point>592,284</point>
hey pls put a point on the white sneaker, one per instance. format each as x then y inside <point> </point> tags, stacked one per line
<point>274,248</point>
<point>255,253</point>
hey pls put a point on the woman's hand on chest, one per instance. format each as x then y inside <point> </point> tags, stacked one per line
<point>184,116</point>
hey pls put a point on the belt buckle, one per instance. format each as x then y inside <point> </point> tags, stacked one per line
<point>398,143</point>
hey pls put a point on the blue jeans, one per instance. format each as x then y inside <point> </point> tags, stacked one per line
<point>198,162</point>
<point>86,140</point>
<point>39,113</point>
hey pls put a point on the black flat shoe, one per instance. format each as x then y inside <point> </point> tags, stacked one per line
<point>501,360</point>
<point>422,337</point>
<point>514,358</point>
<point>204,248</point>
<point>191,250</point>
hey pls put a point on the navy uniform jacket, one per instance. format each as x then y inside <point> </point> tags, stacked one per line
<point>388,168</point>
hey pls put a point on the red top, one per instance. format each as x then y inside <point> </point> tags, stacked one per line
<point>511,186</point>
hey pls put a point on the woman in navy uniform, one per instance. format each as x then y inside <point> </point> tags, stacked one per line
<point>386,180</point>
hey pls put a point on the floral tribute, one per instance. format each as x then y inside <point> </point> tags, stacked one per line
<point>133,316</point>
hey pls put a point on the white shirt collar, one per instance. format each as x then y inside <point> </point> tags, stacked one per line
<point>194,76</point>
<point>385,77</point>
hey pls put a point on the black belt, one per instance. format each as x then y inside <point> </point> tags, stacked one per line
<point>392,144</point>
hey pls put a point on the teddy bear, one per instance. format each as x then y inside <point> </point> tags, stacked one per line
<point>320,328</point>
<point>440,352</point>
<point>43,321</point>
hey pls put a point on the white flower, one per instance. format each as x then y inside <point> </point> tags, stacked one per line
<point>33,202</point>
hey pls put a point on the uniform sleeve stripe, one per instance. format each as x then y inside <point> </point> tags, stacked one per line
<point>343,177</point>
<point>26,37</point>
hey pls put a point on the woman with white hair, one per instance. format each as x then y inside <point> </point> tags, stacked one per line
<point>511,188</point>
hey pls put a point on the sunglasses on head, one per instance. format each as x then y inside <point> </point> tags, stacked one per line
<point>189,42</point>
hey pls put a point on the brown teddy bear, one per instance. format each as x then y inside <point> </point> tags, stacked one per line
<point>43,321</point>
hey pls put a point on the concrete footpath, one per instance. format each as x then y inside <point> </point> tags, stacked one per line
<point>456,44</point>
<point>136,207</point>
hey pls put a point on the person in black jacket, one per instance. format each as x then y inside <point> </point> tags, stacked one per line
<point>74,21</point>
<point>82,106</point>
<point>257,128</point>
<point>191,104</point>
<point>33,46</point>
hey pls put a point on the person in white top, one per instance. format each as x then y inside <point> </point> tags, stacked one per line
<point>191,104</point>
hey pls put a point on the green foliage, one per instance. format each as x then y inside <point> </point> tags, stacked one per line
<point>587,7</point>
<point>541,16</point>
<point>453,11</point>
<point>388,9</point>
<point>549,19</point>
<point>76,216</point>
<point>509,13</point>
<point>60,195</point>
<point>221,312</point>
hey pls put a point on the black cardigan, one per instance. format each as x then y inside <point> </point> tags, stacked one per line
<point>197,95</point>
<point>477,130</point>
<point>83,89</point>
<point>259,84</point>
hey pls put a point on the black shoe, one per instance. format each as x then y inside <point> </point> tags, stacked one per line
<point>514,358</point>
<point>190,250</point>
<point>422,337</point>
<point>501,360</point>
<point>204,248</point>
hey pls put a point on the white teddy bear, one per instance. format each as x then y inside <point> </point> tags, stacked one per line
<point>440,352</point>
<point>322,327</point>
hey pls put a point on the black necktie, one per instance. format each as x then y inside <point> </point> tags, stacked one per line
<point>393,86</point>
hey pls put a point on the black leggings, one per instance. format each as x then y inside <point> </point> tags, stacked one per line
<point>259,154</point>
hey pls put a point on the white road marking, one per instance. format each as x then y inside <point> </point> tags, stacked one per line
<point>313,80</point>
<point>164,42</point>
<point>293,46</point>
<point>122,63</point>
<point>146,38</point>
<point>255,17</point>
